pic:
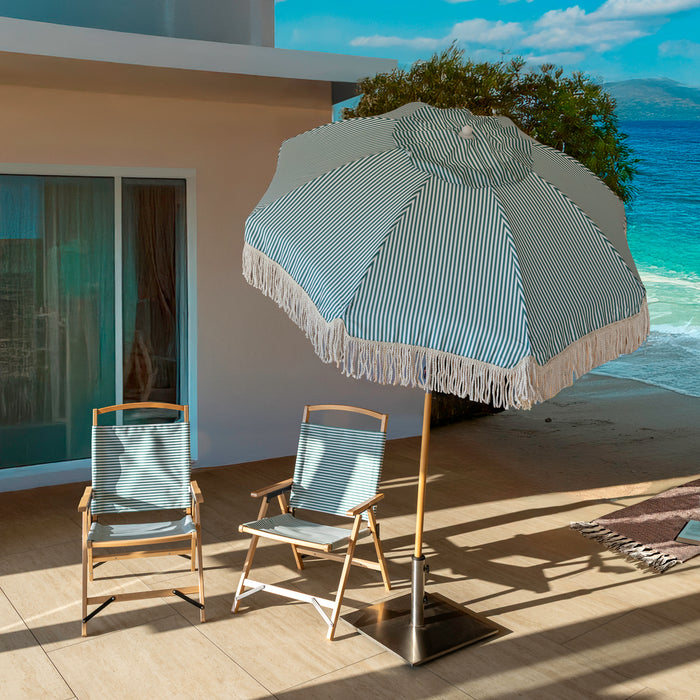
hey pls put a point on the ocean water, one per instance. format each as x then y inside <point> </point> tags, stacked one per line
<point>664,237</point>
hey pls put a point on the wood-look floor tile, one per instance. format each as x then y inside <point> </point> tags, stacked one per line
<point>502,490</point>
<point>21,533</point>
<point>25,669</point>
<point>529,666</point>
<point>381,677</point>
<point>167,658</point>
<point>647,646</point>
<point>283,643</point>
<point>44,586</point>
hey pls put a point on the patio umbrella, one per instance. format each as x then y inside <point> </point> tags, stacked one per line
<point>437,249</point>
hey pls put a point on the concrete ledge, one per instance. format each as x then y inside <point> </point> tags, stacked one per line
<point>62,41</point>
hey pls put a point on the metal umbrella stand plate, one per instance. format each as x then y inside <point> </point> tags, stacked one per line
<point>435,249</point>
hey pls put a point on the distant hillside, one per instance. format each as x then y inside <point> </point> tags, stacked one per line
<point>655,99</point>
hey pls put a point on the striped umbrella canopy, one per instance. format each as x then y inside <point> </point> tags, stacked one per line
<point>436,249</point>
<point>441,250</point>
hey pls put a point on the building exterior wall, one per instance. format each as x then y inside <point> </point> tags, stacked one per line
<point>255,369</point>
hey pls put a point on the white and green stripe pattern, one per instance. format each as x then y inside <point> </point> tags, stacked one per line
<point>140,467</point>
<point>336,468</point>
<point>413,294</point>
<point>325,148</point>
<point>446,263</point>
<point>574,281</point>
<point>588,192</point>
<point>287,525</point>
<point>336,238</point>
<point>493,152</point>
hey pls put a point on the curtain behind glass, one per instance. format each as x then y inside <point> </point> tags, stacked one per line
<point>154,291</point>
<point>56,314</point>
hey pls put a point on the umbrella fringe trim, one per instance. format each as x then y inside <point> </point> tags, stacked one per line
<point>641,555</point>
<point>435,370</point>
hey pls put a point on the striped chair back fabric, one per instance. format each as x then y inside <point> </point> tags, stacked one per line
<point>140,467</point>
<point>336,468</point>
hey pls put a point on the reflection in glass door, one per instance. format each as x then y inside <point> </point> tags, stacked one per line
<point>58,353</point>
<point>154,291</point>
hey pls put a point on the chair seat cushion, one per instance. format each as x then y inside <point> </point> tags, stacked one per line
<point>140,531</point>
<point>286,525</point>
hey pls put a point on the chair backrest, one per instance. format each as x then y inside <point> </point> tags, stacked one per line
<point>140,467</point>
<point>337,468</point>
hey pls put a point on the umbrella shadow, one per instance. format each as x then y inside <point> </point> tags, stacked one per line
<point>541,552</point>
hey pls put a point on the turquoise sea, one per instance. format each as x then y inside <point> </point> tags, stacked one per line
<point>664,237</point>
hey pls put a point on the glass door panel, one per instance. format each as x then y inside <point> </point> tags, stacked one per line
<point>56,314</point>
<point>154,292</point>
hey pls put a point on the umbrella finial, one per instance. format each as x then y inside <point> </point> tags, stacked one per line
<point>467,132</point>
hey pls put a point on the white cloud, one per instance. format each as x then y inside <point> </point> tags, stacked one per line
<point>682,47</point>
<point>473,31</point>
<point>643,8</point>
<point>378,40</point>
<point>571,28</point>
<point>565,32</point>
<point>484,32</point>
<point>562,58</point>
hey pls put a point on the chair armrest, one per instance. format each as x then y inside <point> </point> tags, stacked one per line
<point>196,493</point>
<point>85,500</point>
<point>366,505</point>
<point>273,489</point>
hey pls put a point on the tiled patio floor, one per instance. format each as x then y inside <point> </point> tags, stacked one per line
<point>582,623</point>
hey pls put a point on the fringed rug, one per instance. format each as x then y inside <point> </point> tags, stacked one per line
<point>645,532</point>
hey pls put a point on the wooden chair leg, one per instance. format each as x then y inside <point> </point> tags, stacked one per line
<point>202,617</point>
<point>297,557</point>
<point>246,570</point>
<point>83,630</point>
<point>344,577</point>
<point>251,551</point>
<point>378,548</point>
<point>90,566</point>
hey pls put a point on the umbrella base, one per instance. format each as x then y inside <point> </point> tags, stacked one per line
<point>447,627</point>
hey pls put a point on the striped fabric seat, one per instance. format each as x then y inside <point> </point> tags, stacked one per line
<point>288,526</point>
<point>140,467</point>
<point>102,532</point>
<point>336,468</point>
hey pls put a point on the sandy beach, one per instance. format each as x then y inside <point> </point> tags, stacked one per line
<point>602,437</point>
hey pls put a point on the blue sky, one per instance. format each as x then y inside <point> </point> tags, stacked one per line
<point>607,39</point>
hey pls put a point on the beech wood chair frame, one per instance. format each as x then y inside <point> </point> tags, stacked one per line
<point>302,547</point>
<point>192,551</point>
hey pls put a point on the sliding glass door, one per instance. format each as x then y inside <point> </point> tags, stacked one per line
<point>93,306</point>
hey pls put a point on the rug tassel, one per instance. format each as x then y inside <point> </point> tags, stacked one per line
<point>642,556</point>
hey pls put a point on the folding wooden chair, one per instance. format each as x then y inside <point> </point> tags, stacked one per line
<point>140,468</point>
<point>337,471</point>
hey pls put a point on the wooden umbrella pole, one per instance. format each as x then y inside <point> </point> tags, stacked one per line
<point>418,560</point>
<point>423,473</point>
